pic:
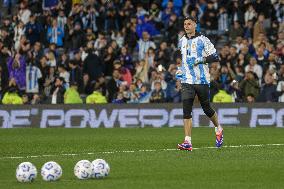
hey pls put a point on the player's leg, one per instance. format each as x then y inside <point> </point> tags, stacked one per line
<point>202,92</point>
<point>188,95</point>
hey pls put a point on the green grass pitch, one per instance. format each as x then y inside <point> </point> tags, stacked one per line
<point>231,167</point>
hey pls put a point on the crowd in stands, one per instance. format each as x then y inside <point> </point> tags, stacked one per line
<point>125,51</point>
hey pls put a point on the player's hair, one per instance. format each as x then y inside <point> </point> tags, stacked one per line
<point>190,18</point>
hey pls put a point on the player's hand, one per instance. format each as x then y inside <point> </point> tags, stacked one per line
<point>199,61</point>
<point>179,74</point>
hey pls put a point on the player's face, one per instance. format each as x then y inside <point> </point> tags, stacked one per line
<point>189,26</point>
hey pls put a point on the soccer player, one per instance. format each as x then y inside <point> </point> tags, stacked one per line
<point>197,52</point>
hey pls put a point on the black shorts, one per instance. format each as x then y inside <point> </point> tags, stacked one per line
<point>188,91</point>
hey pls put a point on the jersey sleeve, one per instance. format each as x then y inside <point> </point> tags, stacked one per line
<point>208,47</point>
<point>179,44</point>
<point>179,48</point>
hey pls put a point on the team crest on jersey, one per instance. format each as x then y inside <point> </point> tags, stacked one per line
<point>193,47</point>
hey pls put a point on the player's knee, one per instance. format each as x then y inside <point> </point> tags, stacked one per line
<point>187,116</point>
<point>208,110</point>
<point>187,108</point>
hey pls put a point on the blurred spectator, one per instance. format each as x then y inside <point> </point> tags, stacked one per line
<point>92,67</point>
<point>223,21</point>
<point>24,13</point>
<point>62,20</point>
<point>49,4</point>
<point>17,70</point>
<point>132,94</point>
<point>12,96</point>
<point>250,84</point>
<point>64,74</point>
<point>258,27</point>
<point>222,96</point>
<point>268,90</point>
<point>124,72</point>
<point>145,25</point>
<point>119,99</point>
<point>55,34</point>
<point>33,74</point>
<point>71,96</point>
<point>173,91</point>
<point>175,4</point>
<point>126,59</point>
<point>19,31</point>
<point>235,91</point>
<point>143,95</point>
<point>36,99</point>
<point>144,44</point>
<point>96,97</point>
<point>250,98</point>
<point>235,31</point>
<point>58,91</point>
<point>250,14</point>
<point>49,80</point>
<point>33,30</point>
<point>159,77</point>
<point>157,94</point>
<point>142,71</point>
<point>280,90</point>
<point>225,77</point>
<point>163,57</point>
<point>209,19</point>
<point>109,58</point>
<point>114,84</point>
<point>76,74</point>
<point>254,67</point>
<point>76,36</point>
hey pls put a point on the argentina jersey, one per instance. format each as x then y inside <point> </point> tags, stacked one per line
<point>191,49</point>
<point>33,74</point>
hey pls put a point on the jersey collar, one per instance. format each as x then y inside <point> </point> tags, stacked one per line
<point>196,35</point>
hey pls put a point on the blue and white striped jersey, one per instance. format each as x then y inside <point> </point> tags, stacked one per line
<point>191,49</point>
<point>33,74</point>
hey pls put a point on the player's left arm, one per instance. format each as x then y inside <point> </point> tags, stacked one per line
<point>210,51</point>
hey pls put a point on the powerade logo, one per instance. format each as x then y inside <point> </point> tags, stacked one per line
<point>135,117</point>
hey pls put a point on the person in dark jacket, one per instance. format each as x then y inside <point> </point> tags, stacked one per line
<point>33,30</point>
<point>76,75</point>
<point>113,85</point>
<point>157,95</point>
<point>77,36</point>
<point>268,91</point>
<point>249,85</point>
<point>92,66</point>
<point>57,92</point>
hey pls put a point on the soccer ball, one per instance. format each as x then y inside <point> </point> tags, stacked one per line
<point>51,171</point>
<point>83,169</point>
<point>26,172</point>
<point>100,168</point>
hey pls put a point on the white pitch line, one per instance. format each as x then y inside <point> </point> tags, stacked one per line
<point>133,151</point>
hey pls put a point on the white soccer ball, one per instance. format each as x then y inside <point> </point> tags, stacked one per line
<point>26,172</point>
<point>51,171</point>
<point>101,168</point>
<point>83,169</point>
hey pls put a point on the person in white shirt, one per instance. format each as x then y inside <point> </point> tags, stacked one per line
<point>24,13</point>
<point>64,74</point>
<point>19,31</point>
<point>254,67</point>
<point>144,44</point>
